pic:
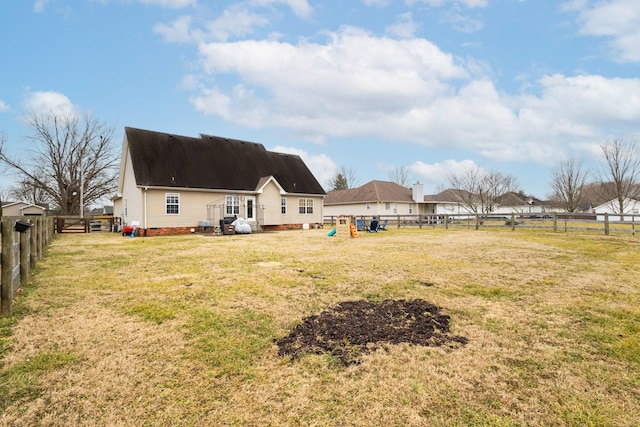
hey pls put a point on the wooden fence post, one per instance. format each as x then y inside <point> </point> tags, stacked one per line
<point>25,257</point>
<point>606,223</point>
<point>555,222</point>
<point>446,221</point>
<point>33,242</point>
<point>8,261</point>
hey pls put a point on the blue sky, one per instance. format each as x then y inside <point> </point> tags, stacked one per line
<point>431,85</point>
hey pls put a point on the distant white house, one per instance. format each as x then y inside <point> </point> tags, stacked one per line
<point>22,209</point>
<point>384,198</point>
<point>631,211</point>
<point>375,198</point>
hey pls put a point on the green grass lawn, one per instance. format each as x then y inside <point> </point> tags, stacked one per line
<point>181,330</point>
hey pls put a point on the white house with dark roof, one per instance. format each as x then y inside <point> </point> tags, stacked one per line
<point>170,184</point>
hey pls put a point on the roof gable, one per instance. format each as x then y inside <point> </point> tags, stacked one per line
<point>212,162</point>
<point>373,191</point>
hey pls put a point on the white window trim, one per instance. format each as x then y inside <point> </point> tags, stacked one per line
<point>232,205</point>
<point>167,204</point>
<point>306,206</point>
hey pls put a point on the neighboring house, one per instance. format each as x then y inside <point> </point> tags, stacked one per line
<point>447,202</point>
<point>102,219</point>
<point>102,211</point>
<point>22,209</point>
<point>170,184</point>
<point>451,202</point>
<point>631,210</point>
<point>383,198</point>
<point>375,198</point>
<point>519,204</point>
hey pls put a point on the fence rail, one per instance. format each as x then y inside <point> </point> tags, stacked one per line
<point>21,251</point>
<point>555,221</point>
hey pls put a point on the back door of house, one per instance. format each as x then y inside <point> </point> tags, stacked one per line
<point>250,209</point>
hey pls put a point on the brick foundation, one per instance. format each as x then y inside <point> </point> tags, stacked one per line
<point>171,231</point>
<point>282,227</point>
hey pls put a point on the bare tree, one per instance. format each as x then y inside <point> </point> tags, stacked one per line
<point>620,174</point>
<point>27,190</point>
<point>72,160</point>
<point>568,181</point>
<point>401,176</point>
<point>344,178</point>
<point>479,190</point>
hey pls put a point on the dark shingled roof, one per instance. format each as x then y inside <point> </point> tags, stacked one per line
<point>212,162</point>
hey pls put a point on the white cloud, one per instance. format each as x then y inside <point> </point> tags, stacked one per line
<point>237,20</point>
<point>46,102</point>
<point>358,85</point>
<point>178,32</point>
<point>437,174</point>
<point>3,106</point>
<point>173,4</point>
<point>405,27</point>
<point>461,22</point>
<point>618,20</point>
<point>353,74</point>
<point>320,165</point>
<point>39,5</point>
<point>377,3</point>
<point>300,8</point>
<point>455,3</point>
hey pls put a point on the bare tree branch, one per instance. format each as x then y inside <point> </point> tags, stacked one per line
<point>480,190</point>
<point>401,176</point>
<point>344,178</point>
<point>620,172</point>
<point>67,151</point>
<point>567,184</point>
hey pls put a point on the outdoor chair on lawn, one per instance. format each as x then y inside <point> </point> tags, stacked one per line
<point>383,227</point>
<point>359,224</point>
<point>373,226</point>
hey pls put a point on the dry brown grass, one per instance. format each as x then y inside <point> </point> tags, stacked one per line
<point>180,330</point>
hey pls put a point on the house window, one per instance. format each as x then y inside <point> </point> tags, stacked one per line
<point>172,203</point>
<point>395,208</point>
<point>126,207</point>
<point>368,205</point>
<point>410,208</point>
<point>305,206</point>
<point>232,205</point>
<point>387,206</point>
<point>283,206</point>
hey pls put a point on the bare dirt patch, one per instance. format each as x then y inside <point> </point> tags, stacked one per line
<point>353,328</point>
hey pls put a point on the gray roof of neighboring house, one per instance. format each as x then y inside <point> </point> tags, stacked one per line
<point>518,199</point>
<point>212,162</point>
<point>450,195</point>
<point>373,191</point>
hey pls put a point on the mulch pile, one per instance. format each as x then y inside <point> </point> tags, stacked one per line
<point>353,328</point>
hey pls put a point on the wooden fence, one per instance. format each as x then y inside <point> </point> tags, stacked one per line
<point>555,221</point>
<point>20,253</point>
